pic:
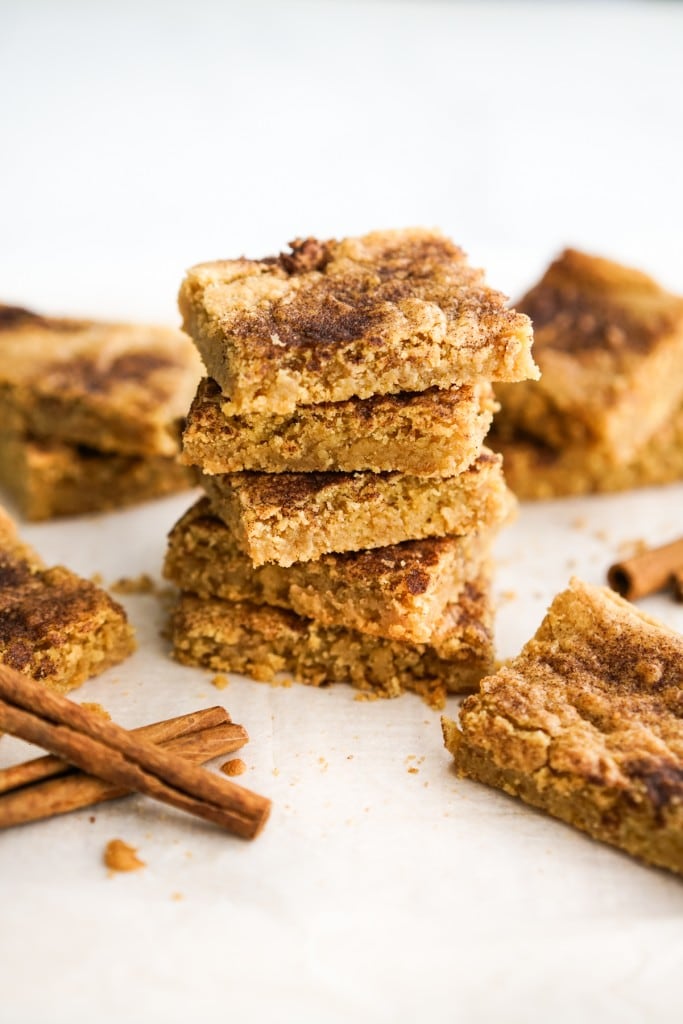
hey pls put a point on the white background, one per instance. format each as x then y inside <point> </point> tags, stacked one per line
<point>140,138</point>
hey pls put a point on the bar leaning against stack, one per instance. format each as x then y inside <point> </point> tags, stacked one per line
<point>350,504</point>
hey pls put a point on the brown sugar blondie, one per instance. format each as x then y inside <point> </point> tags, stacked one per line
<point>609,342</point>
<point>48,479</point>
<point>587,724</point>
<point>297,517</point>
<point>114,387</point>
<point>55,626</point>
<point>261,641</point>
<point>391,311</point>
<point>429,433</point>
<point>534,470</point>
<point>399,591</point>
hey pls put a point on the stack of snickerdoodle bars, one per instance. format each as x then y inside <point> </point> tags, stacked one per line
<point>350,504</point>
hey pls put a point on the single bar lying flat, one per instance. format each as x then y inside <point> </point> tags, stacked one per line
<point>587,724</point>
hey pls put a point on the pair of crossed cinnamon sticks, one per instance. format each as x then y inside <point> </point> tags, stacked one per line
<point>160,760</point>
<point>649,571</point>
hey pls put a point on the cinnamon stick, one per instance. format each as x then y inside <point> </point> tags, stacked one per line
<point>646,573</point>
<point>49,766</point>
<point>69,792</point>
<point>99,747</point>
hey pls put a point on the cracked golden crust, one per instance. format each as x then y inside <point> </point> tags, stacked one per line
<point>399,591</point>
<point>48,479</point>
<point>55,626</point>
<point>587,723</point>
<point>391,311</point>
<point>429,433</point>
<point>261,641</point>
<point>609,342</point>
<point>534,470</point>
<point>297,517</point>
<point>117,387</point>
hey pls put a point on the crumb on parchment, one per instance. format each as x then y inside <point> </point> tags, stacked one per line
<point>142,584</point>
<point>235,766</point>
<point>119,856</point>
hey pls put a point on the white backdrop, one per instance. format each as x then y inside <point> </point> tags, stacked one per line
<point>138,138</point>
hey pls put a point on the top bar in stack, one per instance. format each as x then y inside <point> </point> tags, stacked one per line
<point>389,312</point>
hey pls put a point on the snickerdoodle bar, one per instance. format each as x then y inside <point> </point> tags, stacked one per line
<point>297,517</point>
<point>54,625</point>
<point>261,641</point>
<point>426,433</point>
<point>400,591</point>
<point>609,342</point>
<point>391,311</point>
<point>587,724</point>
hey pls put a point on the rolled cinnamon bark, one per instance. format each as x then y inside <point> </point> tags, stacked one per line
<point>74,790</point>
<point>49,766</point>
<point>647,572</point>
<point>34,713</point>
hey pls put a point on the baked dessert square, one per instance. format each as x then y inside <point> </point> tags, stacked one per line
<point>587,724</point>
<point>399,591</point>
<point>48,479</point>
<point>261,641</point>
<point>55,626</point>
<point>534,470</point>
<point>115,387</point>
<point>429,433</point>
<point>297,517</point>
<point>609,342</point>
<point>391,311</point>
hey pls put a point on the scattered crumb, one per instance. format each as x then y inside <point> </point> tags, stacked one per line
<point>285,682</point>
<point>97,579</point>
<point>349,757</point>
<point>96,709</point>
<point>507,596</point>
<point>142,584</point>
<point>177,896</point>
<point>323,764</point>
<point>578,523</point>
<point>235,766</point>
<point>413,771</point>
<point>276,771</point>
<point>119,856</point>
<point>220,682</point>
<point>92,819</point>
<point>601,535</point>
<point>571,563</point>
